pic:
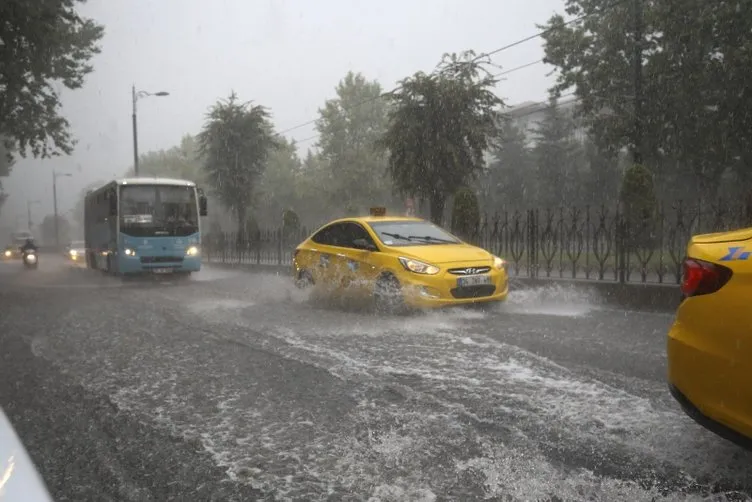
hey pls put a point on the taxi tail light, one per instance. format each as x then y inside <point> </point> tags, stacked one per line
<point>703,278</point>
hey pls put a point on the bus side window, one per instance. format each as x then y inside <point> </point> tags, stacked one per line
<point>113,202</point>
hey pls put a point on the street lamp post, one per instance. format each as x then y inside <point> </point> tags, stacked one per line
<point>136,95</point>
<point>28,211</point>
<point>55,175</point>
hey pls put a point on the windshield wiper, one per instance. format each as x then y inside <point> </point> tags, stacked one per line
<point>428,238</point>
<point>396,236</point>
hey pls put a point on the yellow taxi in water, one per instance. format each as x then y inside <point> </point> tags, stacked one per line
<point>710,342</point>
<point>399,262</point>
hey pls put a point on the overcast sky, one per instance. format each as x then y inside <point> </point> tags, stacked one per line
<point>285,54</point>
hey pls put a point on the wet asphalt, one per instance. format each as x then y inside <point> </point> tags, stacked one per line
<point>233,385</point>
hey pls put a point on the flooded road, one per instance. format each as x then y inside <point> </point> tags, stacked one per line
<point>548,395</point>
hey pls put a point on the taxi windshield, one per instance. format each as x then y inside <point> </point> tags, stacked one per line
<point>411,233</point>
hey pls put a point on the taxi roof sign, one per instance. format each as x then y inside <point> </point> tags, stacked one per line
<point>378,211</point>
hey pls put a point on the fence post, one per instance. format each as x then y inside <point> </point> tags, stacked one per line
<point>621,243</point>
<point>280,237</point>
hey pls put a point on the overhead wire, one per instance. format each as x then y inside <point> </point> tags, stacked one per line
<point>475,59</point>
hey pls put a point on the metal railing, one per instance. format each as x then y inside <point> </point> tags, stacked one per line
<point>574,242</point>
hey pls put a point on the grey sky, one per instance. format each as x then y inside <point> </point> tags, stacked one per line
<point>285,54</point>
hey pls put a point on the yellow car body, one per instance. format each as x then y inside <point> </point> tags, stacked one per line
<point>710,342</point>
<point>365,256</point>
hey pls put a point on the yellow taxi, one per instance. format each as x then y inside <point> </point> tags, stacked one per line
<point>399,262</point>
<point>710,342</point>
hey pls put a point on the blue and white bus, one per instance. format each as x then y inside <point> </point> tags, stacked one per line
<point>144,225</point>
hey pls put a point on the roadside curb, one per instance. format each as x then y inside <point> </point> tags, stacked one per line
<point>636,296</point>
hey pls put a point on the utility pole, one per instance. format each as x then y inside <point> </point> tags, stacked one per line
<point>134,96</point>
<point>135,132</point>
<point>54,203</point>
<point>638,129</point>
<point>28,212</point>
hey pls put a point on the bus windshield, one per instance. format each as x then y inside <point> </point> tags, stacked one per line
<point>158,210</point>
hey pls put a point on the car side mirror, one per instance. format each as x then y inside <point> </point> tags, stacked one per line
<point>364,244</point>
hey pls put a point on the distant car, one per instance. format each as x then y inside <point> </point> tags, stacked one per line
<point>400,262</point>
<point>710,342</point>
<point>76,252</point>
<point>11,252</point>
<point>19,479</point>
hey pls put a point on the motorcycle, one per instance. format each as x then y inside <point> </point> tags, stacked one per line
<point>30,259</point>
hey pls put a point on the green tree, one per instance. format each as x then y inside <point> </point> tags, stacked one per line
<point>683,110</point>
<point>439,129</point>
<point>639,205</point>
<point>47,229</point>
<point>556,154</point>
<point>312,190</point>
<point>602,180</point>
<point>6,164</point>
<point>349,126</point>
<point>235,143</point>
<point>465,213</point>
<point>44,43</point>
<point>509,181</point>
<point>181,162</point>
<point>277,188</point>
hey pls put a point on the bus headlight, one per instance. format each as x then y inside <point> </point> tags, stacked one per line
<point>192,251</point>
<point>129,252</point>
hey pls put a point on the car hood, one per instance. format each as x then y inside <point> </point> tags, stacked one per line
<point>445,253</point>
<point>19,479</point>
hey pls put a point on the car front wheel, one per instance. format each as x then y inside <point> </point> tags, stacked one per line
<point>387,296</point>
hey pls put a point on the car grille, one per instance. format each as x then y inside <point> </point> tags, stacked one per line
<point>469,270</point>
<point>161,259</point>
<point>473,291</point>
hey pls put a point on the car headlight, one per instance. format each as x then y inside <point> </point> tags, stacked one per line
<point>73,253</point>
<point>418,266</point>
<point>499,263</point>
<point>192,251</point>
<point>129,252</point>
<point>8,252</point>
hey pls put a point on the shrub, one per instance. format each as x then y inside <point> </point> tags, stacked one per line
<point>639,207</point>
<point>465,213</point>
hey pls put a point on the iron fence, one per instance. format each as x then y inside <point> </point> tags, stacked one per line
<point>575,242</point>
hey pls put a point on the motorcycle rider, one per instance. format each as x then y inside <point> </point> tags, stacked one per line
<point>28,246</point>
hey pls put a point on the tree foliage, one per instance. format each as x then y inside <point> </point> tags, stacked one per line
<point>181,162</point>
<point>465,213</point>
<point>349,127</point>
<point>235,143</point>
<point>557,155</point>
<point>639,204</point>
<point>277,187</point>
<point>509,180</point>
<point>44,42</point>
<point>692,108</point>
<point>440,127</point>
<point>47,229</point>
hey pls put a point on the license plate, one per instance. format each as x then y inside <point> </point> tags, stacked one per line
<point>473,280</point>
<point>162,270</point>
